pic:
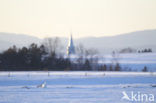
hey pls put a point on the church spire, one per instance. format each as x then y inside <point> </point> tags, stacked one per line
<point>70,48</point>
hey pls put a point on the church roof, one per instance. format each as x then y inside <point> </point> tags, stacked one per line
<point>70,48</point>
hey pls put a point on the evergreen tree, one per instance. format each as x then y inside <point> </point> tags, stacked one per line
<point>117,67</point>
<point>144,69</point>
<point>87,65</point>
<point>110,68</point>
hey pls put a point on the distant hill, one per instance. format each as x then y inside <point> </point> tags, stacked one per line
<point>9,39</point>
<point>137,40</point>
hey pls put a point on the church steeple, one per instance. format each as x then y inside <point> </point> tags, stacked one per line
<point>70,48</point>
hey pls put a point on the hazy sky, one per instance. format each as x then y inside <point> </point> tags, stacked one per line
<point>43,18</point>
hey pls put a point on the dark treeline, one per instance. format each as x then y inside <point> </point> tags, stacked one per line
<point>149,50</point>
<point>48,57</point>
<point>38,58</point>
<point>34,57</point>
<point>29,58</point>
<point>45,58</point>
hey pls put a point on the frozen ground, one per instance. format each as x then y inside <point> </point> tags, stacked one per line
<point>74,87</point>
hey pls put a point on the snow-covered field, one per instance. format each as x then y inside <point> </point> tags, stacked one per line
<point>76,87</point>
<point>129,61</point>
<point>133,61</point>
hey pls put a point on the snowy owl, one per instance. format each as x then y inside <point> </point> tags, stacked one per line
<point>42,85</point>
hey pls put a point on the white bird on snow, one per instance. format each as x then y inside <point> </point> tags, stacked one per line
<point>43,85</point>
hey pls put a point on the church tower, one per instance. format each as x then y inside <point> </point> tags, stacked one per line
<point>70,48</point>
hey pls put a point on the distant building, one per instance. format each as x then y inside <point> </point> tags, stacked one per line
<point>71,47</point>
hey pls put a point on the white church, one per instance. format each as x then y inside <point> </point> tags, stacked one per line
<point>70,47</point>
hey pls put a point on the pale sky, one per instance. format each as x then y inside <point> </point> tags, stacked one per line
<point>44,18</point>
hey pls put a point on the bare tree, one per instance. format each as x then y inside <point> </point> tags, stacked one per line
<point>91,52</point>
<point>127,50</point>
<point>115,57</point>
<point>88,55</point>
<point>80,50</point>
<point>93,58</point>
<point>53,45</point>
<point>115,61</point>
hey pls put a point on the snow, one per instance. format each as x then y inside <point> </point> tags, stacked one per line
<point>133,61</point>
<point>134,58</point>
<point>73,87</point>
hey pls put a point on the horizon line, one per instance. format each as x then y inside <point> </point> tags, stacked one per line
<point>76,37</point>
